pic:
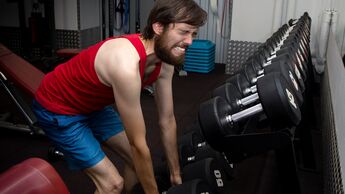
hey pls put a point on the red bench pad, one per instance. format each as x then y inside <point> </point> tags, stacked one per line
<point>32,176</point>
<point>23,74</point>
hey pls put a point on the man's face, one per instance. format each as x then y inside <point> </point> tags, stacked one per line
<point>171,44</point>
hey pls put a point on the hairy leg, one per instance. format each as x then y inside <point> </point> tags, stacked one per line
<point>119,144</point>
<point>106,177</point>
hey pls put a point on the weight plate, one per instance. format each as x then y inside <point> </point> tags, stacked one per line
<point>278,101</point>
<point>279,66</point>
<point>211,117</point>
<point>230,93</point>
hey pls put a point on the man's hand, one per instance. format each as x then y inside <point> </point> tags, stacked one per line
<point>175,179</point>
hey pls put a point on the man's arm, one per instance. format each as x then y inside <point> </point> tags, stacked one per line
<point>167,122</point>
<point>126,83</point>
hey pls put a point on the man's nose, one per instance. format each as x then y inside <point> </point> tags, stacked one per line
<point>188,40</point>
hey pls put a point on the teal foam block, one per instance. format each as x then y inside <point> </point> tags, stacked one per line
<point>200,56</point>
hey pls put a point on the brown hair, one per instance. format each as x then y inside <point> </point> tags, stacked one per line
<point>174,11</point>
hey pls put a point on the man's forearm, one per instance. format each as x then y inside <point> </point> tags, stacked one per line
<point>168,135</point>
<point>144,169</point>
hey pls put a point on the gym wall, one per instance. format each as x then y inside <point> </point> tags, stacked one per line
<point>252,25</point>
<point>333,123</point>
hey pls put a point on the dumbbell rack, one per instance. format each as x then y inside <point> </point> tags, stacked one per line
<point>239,147</point>
<point>291,40</point>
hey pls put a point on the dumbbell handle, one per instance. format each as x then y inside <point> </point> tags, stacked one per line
<point>248,99</point>
<point>244,113</point>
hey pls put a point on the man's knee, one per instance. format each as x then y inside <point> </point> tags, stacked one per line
<point>114,186</point>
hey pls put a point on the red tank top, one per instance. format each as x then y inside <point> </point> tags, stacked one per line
<point>74,88</point>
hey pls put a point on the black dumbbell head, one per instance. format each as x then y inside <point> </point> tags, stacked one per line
<point>209,170</point>
<point>278,101</point>
<point>211,118</point>
<point>230,93</point>
<point>286,72</point>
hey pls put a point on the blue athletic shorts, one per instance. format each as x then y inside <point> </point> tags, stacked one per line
<point>78,137</point>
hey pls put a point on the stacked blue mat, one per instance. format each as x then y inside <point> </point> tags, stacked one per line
<point>200,56</point>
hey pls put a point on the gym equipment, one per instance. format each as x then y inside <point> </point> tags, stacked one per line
<point>231,94</point>
<point>188,144</point>
<point>294,34</point>
<point>192,147</point>
<point>260,60</point>
<point>246,87</point>
<point>290,43</point>
<point>285,58</point>
<point>27,78</point>
<point>276,101</point>
<point>205,175</point>
<point>208,170</point>
<point>24,109</point>
<point>206,151</point>
<point>33,175</point>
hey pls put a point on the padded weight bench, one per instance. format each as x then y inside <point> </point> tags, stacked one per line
<point>32,176</point>
<point>19,71</point>
<point>16,71</point>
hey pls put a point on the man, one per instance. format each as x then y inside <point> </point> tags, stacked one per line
<point>72,102</point>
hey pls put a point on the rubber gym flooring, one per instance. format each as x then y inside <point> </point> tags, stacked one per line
<point>254,175</point>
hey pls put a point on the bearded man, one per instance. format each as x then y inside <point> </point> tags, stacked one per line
<point>75,102</point>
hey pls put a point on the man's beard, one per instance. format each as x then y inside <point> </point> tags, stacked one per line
<point>163,52</point>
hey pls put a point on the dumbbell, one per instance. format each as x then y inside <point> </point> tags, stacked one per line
<point>300,44</point>
<point>205,151</point>
<point>265,58</point>
<point>188,144</point>
<point>192,147</point>
<point>259,60</point>
<point>299,48</point>
<point>276,42</point>
<point>257,69</point>
<point>209,170</point>
<point>233,96</point>
<point>276,101</point>
<point>296,35</point>
<point>301,25</point>
<point>296,30</point>
<point>244,87</point>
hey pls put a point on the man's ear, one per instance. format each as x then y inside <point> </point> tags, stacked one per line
<point>157,28</point>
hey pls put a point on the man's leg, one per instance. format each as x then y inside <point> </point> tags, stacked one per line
<point>106,177</point>
<point>108,129</point>
<point>73,136</point>
<point>119,144</point>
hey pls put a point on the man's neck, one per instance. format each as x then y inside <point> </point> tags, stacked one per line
<point>148,45</point>
<point>151,58</point>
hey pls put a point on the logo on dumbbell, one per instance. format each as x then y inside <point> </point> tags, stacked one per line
<point>291,98</point>
<point>219,179</point>
<point>293,80</point>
